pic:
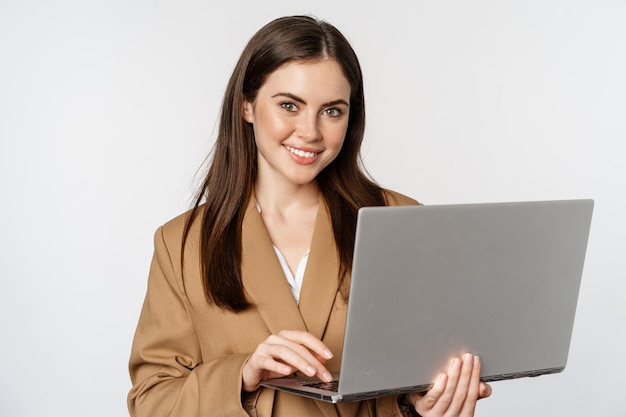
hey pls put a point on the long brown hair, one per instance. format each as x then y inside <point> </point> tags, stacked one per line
<point>228,184</point>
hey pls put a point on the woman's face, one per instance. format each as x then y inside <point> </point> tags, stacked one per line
<point>299,118</point>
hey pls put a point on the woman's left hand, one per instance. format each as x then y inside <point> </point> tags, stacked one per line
<point>455,392</point>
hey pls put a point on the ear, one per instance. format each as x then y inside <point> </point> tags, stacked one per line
<point>247,110</point>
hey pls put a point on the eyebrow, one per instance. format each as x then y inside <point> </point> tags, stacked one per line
<point>302,101</point>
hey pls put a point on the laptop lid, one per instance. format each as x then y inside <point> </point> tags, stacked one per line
<point>500,280</point>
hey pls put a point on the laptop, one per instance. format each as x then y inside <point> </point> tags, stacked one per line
<point>499,280</point>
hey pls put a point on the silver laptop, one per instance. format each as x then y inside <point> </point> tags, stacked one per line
<point>499,280</point>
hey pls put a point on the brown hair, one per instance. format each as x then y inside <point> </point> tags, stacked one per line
<point>228,184</point>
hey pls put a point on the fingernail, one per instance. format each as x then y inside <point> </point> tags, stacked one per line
<point>456,363</point>
<point>327,376</point>
<point>468,358</point>
<point>442,378</point>
<point>328,354</point>
<point>310,371</point>
<point>476,361</point>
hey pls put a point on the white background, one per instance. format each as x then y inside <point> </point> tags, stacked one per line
<point>108,108</point>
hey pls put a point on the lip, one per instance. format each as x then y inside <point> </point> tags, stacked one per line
<point>298,154</point>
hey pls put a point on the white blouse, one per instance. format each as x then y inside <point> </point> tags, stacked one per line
<point>295,282</point>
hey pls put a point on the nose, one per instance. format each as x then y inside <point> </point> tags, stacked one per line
<point>308,127</point>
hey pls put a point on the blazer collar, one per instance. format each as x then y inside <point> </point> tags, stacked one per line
<point>321,276</point>
<point>265,283</point>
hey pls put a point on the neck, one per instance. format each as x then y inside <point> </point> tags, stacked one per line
<point>273,198</point>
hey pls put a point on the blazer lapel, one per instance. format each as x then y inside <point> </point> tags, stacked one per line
<point>263,277</point>
<point>320,283</point>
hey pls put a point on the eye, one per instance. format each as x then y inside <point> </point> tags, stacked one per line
<point>289,106</point>
<point>333,112</point>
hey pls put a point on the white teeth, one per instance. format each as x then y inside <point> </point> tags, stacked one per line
<point>300,152</point>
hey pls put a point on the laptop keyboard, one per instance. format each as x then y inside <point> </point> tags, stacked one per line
<point>329,386</point>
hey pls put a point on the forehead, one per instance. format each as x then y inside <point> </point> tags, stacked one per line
<point>320,78</point>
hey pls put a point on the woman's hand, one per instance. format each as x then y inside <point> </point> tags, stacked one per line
<point>454,393</point>
<point>283,354</point>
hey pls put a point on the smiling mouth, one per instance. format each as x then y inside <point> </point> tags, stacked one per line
<point>301,153</point>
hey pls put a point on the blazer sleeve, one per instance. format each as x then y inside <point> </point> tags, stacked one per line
<point>168,374</point>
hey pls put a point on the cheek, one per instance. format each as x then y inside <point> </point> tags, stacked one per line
<point>335,136</point>
<point>272,125</point>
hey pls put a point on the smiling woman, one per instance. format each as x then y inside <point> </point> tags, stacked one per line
<point>252,283</point>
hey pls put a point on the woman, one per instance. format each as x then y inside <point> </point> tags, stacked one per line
<point>252,283</point>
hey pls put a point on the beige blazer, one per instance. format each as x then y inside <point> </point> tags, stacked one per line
<point>187,355</point>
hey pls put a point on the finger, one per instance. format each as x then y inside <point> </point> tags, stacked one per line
<point>463,385</point>
<point>447,396</point>
<point>424,402</point>
<point>484,391</point>
<point>309,341</point>
<point>321,359</point>
<point>469,404</point>
<point>265,363</point>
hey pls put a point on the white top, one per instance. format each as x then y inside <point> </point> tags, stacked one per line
<point>295,282</point>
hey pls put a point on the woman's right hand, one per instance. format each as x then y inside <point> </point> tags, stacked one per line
<point>283,354</point>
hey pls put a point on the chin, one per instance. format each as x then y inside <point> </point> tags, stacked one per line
<point>304,180</point>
